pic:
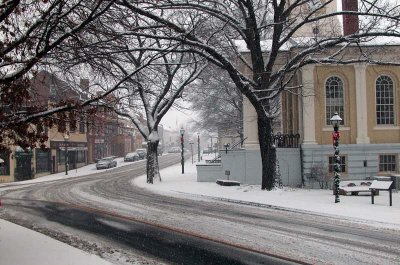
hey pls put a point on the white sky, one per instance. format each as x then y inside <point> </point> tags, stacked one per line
<point>174,119</point>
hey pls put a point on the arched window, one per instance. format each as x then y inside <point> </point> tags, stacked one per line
<point>334,98</point>
<point>384,100</point>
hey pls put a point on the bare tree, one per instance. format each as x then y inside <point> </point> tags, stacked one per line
<point>217,102</point>
<point>30,30</point>
<point>150,73</point>
<point>153,92</point>
<point>265,27</point>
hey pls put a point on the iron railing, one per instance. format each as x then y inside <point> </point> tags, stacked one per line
<point>233,146</point>
<point>286,140</point>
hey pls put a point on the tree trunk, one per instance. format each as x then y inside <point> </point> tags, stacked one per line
<point>267,149</point>
<point>152,161</point>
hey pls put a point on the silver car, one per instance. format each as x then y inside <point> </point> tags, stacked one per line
<point>106,162</point>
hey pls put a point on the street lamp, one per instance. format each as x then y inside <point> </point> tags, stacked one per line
<point>182,131</point>
<point>335,136</point>
<point>198,147</point>
<point>226,147</point>
<point>66,138</point>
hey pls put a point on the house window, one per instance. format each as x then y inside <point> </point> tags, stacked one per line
<point>81,127</point>
<point>61,156</point>
<point>43,160</point>
<point>53,89</point>
<point>314,4</point>
<point>342,164</point>
<point>387,163</point>
<point>384,100</point>
<point>80,156</point>
<point>334,98</point>
<point>315,30</point>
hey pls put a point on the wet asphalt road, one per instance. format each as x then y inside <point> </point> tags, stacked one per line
<point>106,206</point>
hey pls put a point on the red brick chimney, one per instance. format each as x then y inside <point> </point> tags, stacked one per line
<point>350,22</point>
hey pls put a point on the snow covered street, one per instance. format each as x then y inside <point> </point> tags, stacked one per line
<point>197,208</point>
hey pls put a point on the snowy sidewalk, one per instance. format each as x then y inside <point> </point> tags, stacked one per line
<point>19,245</point>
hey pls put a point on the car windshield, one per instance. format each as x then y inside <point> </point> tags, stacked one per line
<point>106,159</point>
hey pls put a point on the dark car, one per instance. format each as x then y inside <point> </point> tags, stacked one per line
<point>131,157</point>
<point>142,153</point>
<point>106,162</point>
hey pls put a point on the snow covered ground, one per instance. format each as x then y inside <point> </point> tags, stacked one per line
<point>19,245</point>
<point>358,208</point>
<point>39,249</point>
<point>44,250</point>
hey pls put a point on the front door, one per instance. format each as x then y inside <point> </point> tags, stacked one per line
<point>72,159</point>
<point>23,167</point>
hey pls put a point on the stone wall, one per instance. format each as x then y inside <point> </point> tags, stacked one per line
<point>245,166</point>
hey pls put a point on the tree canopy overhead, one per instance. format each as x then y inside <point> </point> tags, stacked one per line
<point>245,38</point>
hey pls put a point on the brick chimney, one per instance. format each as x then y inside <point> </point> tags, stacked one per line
<point>350,22</point>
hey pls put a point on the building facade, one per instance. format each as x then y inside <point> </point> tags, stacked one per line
<point>366,96</point>
<point>20,164</point>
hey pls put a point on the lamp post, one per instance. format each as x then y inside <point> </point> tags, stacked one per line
<point>191,148</point>
<point>66,138</point>
<point>182,131</point>
<point>335,137</point>
<point>198,147</point>
<point>226,147</point>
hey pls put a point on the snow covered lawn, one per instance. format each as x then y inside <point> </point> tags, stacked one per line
<point>174,183</point>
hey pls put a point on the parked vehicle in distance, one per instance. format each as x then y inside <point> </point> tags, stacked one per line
<point>131,157</point>
<point>106,162</point>
<point>174,150</point>
<point>142,153</point>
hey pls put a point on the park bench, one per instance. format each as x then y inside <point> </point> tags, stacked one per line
<point>354,187</point>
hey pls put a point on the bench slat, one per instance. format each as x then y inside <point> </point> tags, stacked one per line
<point>355,188</point>
<point>384,185</point>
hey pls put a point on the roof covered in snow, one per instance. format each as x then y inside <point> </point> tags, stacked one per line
<point>308,41</point>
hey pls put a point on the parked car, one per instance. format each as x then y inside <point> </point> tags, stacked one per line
<point>106,162</point>
<point>131,157</point>
<point>142,153</point>
<point>174,150</point>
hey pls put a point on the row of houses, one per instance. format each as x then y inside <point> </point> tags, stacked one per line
<point>100,134</point>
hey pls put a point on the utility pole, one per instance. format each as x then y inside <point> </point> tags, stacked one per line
<point>182,131</point>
